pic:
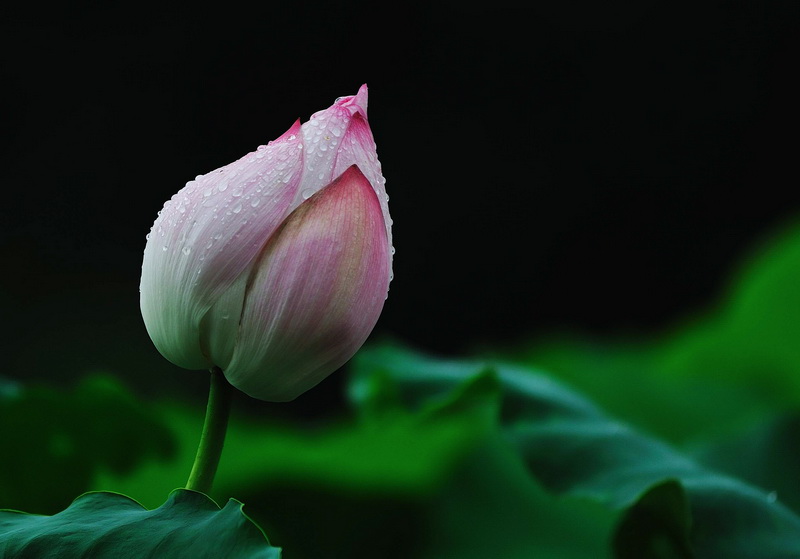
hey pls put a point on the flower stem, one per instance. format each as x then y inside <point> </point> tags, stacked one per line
<point>213,437</point>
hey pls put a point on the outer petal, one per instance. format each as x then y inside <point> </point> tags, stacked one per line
<point>206,237</point>
<point>316,293</point>
<point>337,138</point>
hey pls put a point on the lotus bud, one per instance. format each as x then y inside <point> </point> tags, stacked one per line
<point>275,268</point>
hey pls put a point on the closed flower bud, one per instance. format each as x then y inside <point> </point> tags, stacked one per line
<point>275,268</point>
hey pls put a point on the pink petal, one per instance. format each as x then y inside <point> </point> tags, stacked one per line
<point>335,139</point>
<point>316,292</point>
<point>207,236</point>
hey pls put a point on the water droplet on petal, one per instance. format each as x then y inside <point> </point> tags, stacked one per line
<point>308,193</point>
<point>186,250</point>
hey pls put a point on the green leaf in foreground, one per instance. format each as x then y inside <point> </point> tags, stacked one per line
<point>673,507</point>
<point>101,524</point>
<point>312,489</point>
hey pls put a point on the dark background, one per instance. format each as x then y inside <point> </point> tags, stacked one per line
<point>592,166</point>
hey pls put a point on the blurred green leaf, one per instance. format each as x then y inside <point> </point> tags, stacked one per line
<point>377,472</point>
<point>575,450</point>
<point>658,525</point>
<point>109,525</point>
<point>56,440</point>
<point>767,456</point>
<point>730,366</point>
<point>492,507</point>
<point>750,338</point>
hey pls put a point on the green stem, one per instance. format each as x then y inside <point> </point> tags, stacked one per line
<point>213,437</point>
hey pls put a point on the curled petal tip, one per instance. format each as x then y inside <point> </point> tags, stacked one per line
<point>355,103</point>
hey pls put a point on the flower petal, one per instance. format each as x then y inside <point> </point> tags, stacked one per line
<point>358,148</point>
<point>315,294</point>
<point>207,236</point>
<point>337,138</point>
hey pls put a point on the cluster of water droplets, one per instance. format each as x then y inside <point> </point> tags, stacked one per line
<point>322,136</point>
<point>224,201</point>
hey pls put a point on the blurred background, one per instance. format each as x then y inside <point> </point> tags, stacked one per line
<point>600,169</point>
<point>583,166</point>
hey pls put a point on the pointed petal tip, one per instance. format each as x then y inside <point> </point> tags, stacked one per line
<point>353,172</point>
<point>294,130</point>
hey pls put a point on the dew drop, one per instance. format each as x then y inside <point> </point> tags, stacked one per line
<point>222,186</point>
<point>772,496</point>
<point>254,202</point>
<point>308,193</point>
<point>164,248</point>
<point>237,208</point>
<point>186,250</point>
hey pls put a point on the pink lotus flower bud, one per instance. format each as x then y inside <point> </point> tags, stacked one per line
<point>275,268</point>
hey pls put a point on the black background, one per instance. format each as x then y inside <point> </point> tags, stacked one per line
<point>592,166</point>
